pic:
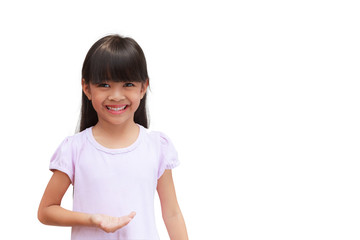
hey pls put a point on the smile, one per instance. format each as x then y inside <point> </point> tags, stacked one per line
<point>116,108</point>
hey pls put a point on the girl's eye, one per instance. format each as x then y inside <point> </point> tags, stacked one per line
<point>105,85</point>
<point>129,84</point>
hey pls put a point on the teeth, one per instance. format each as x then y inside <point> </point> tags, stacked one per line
<point>116,109</point>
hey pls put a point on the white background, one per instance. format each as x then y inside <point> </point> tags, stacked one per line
<point>261,99</point>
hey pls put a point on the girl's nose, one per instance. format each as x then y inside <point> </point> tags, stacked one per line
<point>116,95</point>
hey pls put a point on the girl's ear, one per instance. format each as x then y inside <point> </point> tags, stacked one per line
<point>86,89</point>
<point>144,88</point>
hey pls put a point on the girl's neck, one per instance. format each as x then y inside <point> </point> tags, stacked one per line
<point>116,136</point>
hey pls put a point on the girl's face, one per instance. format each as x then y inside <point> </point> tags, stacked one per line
<point>115,102</point>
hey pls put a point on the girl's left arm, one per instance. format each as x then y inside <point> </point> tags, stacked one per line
<point>171,212</point>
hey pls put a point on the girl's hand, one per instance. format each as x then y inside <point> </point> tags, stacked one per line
<point>110,224</point>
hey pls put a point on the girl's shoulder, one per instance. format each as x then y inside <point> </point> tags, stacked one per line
<point>66,155</point>
<point>158,136</point>
<point>168,155</point>
<point>161,140</point>
<point>76,140</point>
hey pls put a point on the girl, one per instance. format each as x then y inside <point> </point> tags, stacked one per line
<point>114,163</point>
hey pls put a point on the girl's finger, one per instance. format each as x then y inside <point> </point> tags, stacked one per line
<point>132,214</point>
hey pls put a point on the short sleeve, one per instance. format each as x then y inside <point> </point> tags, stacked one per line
<point>168,155</point>
<point>63,159</point>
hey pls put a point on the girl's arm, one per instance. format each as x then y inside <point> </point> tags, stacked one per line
<point>51,213</point>
<point>171,212</point>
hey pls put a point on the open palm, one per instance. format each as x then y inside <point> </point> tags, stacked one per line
<point>109,223</point>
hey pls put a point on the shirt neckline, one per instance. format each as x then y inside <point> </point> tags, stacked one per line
<point>97,145</point>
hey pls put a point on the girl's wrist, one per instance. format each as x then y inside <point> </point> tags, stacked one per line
<point>84,219</point>
<point>94,220</point>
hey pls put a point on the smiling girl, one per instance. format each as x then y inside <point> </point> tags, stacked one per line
<point>114,163</point>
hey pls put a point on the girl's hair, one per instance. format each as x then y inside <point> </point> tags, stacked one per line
<point>118,59</point>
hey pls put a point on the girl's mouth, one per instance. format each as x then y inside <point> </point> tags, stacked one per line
<point>116,108</point>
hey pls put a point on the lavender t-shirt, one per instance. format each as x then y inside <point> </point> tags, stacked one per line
<point>115,181</point>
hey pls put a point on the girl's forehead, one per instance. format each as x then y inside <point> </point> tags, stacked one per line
<point>107,80</point>
<point>117,72</point>
<point>120,81</point>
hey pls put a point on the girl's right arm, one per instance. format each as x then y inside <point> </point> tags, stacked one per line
<point>51,213</point>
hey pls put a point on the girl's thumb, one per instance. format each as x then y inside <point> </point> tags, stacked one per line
<point>132,214</point>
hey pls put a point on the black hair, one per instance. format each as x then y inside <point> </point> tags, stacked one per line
<point>118,59</point>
